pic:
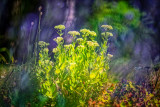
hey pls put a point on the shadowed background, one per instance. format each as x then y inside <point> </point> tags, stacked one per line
<point>135,45</point>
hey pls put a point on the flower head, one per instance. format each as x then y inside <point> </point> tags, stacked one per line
<point>40,8</point>
<point>51,63</point>
<point>46,50</point>
<point>93,33</point>
<point>95,43</point>
<point>58,39</point>
<point>60,27</point>
<point>109,56</point>
<point>46,61</point>
<point>42,44</point>
<point>107,27</point>
<point>81,46</point>
<point>41,62</point>
<point>79,39</point>
<point>55,50</point>
<point>107,34</point>
<point>90,43</point>
<point>73,33</point>
<point>68,46</point>
<point>85,32</point>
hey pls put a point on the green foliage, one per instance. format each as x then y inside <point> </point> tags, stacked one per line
<point>79,71</point>
<point>44,76</point>
<point>5,55</point>
<point>120,15</point>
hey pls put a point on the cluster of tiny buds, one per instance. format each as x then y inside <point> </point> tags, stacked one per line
<point>39,9</point>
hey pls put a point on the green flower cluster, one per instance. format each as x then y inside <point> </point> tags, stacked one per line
<point>55,50</point>
<point>109,56</point>
<point>93,33</point>
<point>109,27</point>
<point>43,68</point>
<point>43,44</point>
<point>79,39</point>
<point>58,39</point>
<point>60,27</point>
<point>73,33</point>
<point>45,62</point>
<point>92,43</point>
<point>46,50</point>
<point>81,46</point>
<point>87,32</point>
<point>106,34</point>
<point>68,46</point>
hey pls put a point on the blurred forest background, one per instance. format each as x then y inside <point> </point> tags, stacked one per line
<point>135,44</point>
<point>136,23</point>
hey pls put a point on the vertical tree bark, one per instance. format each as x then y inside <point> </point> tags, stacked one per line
<point>69,20</point>
<point>70,14</point>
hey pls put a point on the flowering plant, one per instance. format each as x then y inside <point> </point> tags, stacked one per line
<point>79,71</point>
